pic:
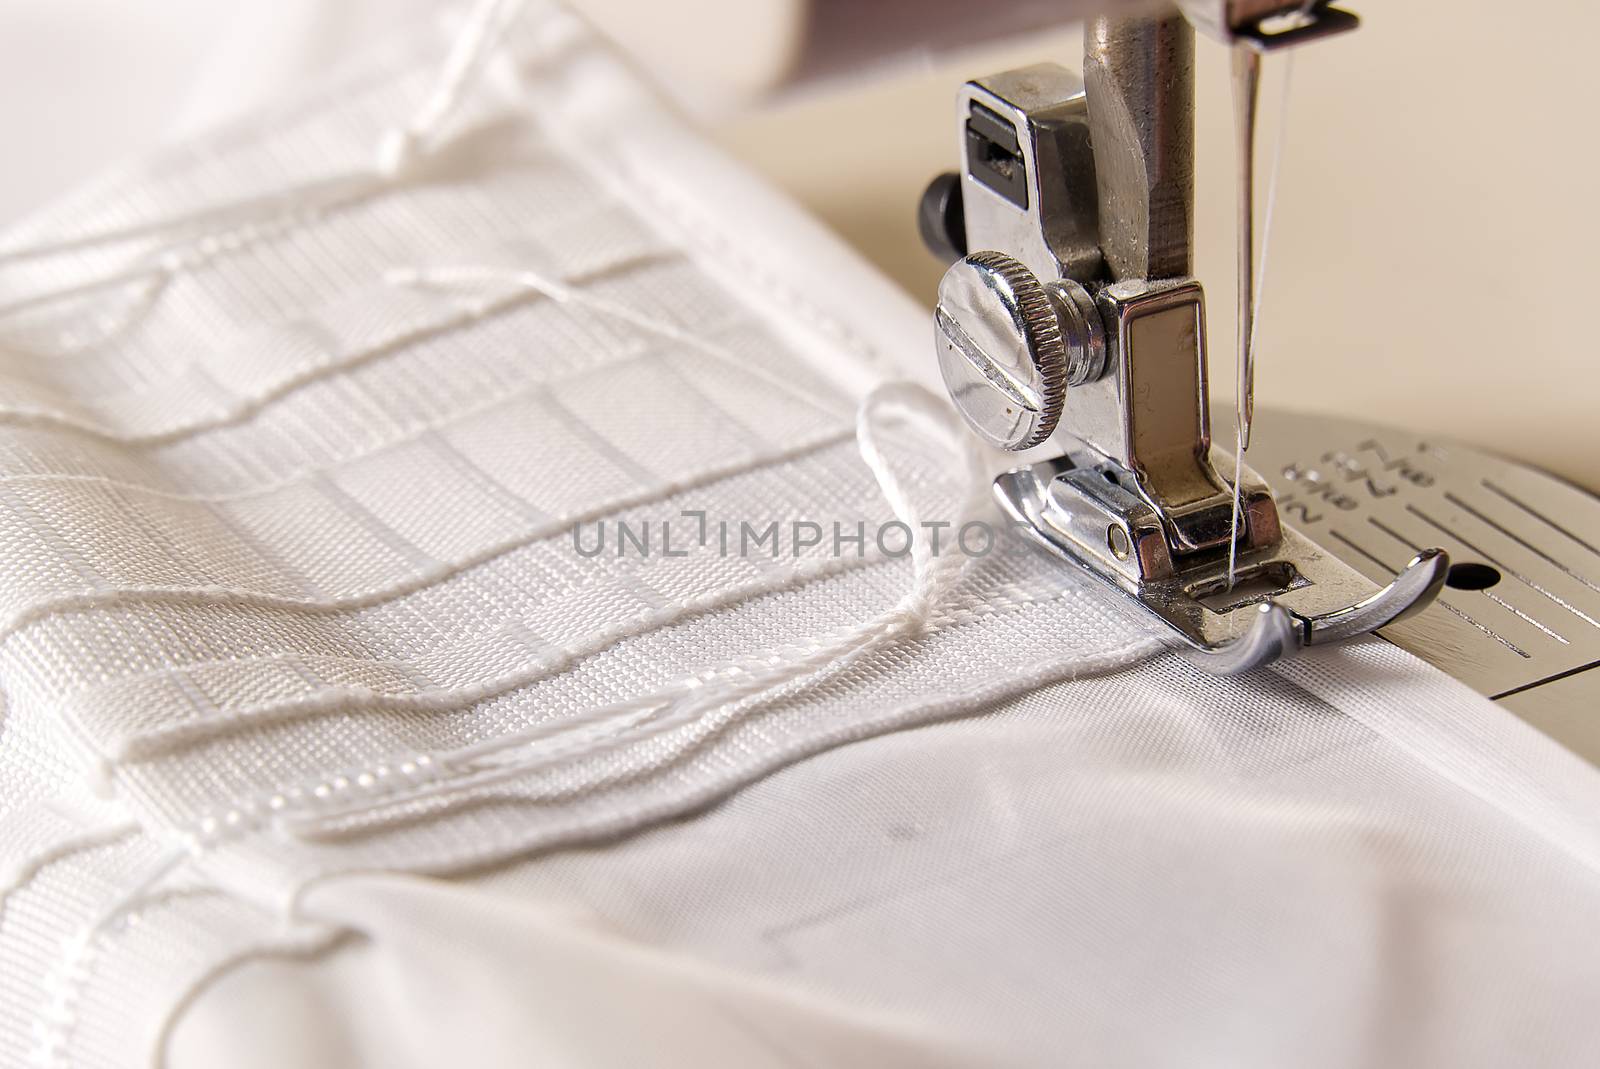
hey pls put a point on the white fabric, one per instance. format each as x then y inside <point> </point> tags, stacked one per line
<point>293,435</point>
<point>1143,869</point>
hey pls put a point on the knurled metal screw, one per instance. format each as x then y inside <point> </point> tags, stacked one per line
<point>1009,346</point>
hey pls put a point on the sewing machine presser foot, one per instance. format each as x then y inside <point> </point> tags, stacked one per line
<point>1076,325</point>
<point>1282,596</point>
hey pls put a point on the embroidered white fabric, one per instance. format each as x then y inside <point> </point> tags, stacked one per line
<point>295,427</point>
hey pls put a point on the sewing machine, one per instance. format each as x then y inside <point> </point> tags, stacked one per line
<point>1081,343</point>
<point>1068,327</point>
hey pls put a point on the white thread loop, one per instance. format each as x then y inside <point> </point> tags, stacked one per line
<point>935,419</point>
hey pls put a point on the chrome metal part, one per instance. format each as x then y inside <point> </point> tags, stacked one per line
<point>1413,590</point>
<point>1290,593</point>
<point>1519,616</point>
<point>1000,350</point>
<point>1009,345</point>
<point>1223,19</point>
<point>1147,415</point>
<point>1296,28</point>
<point>1140,78</point>
<point>1267,24</point>
<point>1081,329</point>
<point>1078,323</point>
<point>1028,186</point>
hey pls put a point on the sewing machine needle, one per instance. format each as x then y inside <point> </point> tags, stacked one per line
<point>1246,83</point>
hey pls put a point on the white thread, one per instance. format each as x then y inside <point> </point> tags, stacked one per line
<point>228,595</point>
<point>156,270</point>
<point>561,292</point>
<point>236,215</point>
<point>300,375</point>
<point>151,743</point>
<point>17,876</point>
<point>318,821</point>
<point>397,776</point>
<point>932,577</point>
<point>1260,285</point>
<point>1068,668</point>
<point>60,1016</point>
<point>471,52</point>
<point>404,432</point>
<point>474,47</point>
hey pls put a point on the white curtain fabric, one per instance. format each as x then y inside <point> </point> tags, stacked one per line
<point>1142,869</point>
<point>322,744</point>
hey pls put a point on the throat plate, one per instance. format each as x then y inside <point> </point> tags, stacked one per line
<point>1519,617</point>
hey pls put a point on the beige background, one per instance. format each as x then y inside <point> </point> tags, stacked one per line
<point>1433,252</point>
